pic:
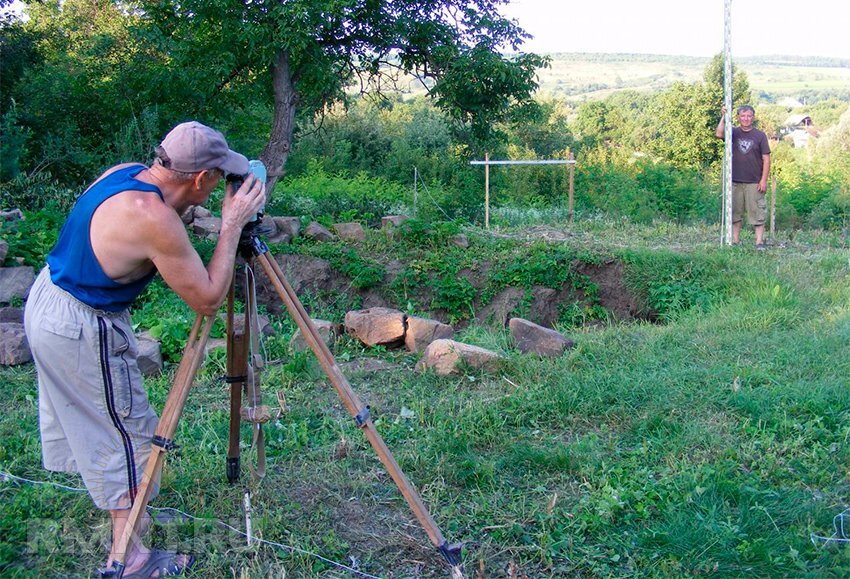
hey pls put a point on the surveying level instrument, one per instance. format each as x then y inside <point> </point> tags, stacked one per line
<point>243,377</point>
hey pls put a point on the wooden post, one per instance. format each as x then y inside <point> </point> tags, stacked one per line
<point>773,208</point>
<point>487,190</point>
<point>572,171</point>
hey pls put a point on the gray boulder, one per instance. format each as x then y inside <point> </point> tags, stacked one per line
<point>328,332</point>
<point>376,326</point>
<point>350,231</point>
<point>447,357</point>
<point>533,339</point>
<point>421,332</point>
<point>14,348</point>
<point>317,232</point>
<point>15,282</point>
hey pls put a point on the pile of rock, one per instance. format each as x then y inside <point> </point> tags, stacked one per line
<point>378,326</point>
<point>15,283</point>
<point>274,229</point>
<point>393,328</point>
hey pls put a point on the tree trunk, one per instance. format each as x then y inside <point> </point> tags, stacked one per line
<point>280,140</point>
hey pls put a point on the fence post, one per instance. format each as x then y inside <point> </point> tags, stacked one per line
<point>487,190</point>
<point>572,171</point>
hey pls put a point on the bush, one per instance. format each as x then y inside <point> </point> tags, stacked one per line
<point>37,192</point>
<point>831,212</point>
<point>317,194</point>
<point>34,236</point>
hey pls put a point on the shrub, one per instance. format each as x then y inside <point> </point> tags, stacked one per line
<point>318,194</point>
<point>34,236</point>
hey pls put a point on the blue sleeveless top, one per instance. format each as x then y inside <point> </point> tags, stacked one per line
<point>73,265</point>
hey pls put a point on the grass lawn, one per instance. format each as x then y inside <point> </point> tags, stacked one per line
<point>715,442</point>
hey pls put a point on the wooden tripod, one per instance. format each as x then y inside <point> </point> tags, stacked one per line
<point>251,247</point>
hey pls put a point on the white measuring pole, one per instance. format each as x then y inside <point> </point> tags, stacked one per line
<point>726,236</point>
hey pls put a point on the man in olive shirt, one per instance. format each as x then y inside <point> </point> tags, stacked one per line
<point>750,167</point>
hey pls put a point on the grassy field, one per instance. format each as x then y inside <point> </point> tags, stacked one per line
<point>715,443</point>
<point>588,76</point>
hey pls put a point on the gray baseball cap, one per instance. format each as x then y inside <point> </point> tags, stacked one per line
<point>192,147</point>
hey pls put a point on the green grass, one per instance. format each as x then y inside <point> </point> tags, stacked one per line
<point>713,444</point>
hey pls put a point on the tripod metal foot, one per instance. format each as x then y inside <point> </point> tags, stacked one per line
<point>452,554</point>
<point>233,470</point>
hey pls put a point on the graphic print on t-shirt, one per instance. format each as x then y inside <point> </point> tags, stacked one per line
<point>745,145</point>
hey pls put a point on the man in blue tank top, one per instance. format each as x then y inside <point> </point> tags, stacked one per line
<point>94,416</point>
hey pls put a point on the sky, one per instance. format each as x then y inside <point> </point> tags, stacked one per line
<point>685,27</point>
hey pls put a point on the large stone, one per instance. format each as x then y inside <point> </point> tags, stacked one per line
<point>201,212</point>
<point>9,314</point>
<point>4,250</point>
<point>14,348</point>
<point>421,332</point>
<point>352,231</point>
<point>533,339</point>
<point>188,216</point>
<point>206,226</point>
<point>150,356</point>
<point>12,215</point>
<point>328,332</point>
<point>15,282</point>
<point>290,226</point>
<point>391,223</point>
<point>460,240</point>
<point>376,326</point>
<point>450,357</point>
<point>317,232</point>
<point>268,227</point>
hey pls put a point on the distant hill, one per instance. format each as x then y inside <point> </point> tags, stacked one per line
<point>583,76</point>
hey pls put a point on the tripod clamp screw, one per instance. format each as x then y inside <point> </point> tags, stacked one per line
<point>164,443</point>
<point>363,416</point>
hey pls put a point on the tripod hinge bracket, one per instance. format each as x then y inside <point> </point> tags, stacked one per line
<point>250,245</point>
<point>235,379</point>
<point>163,443</point>
<point>116,570</point>
<point>452,553</point>
<point>363,416</point>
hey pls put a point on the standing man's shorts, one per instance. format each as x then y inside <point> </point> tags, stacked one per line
<point>746,197</point>
<point>94,415</point>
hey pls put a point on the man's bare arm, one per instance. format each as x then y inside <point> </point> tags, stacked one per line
<point>204,288</point>
<point>765,171</point>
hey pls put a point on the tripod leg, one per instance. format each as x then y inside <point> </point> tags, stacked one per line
<point>237,369</point>
<point>358,411</point>
<point>193,355</point>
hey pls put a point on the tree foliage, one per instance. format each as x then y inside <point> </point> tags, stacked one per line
<point>305,55</point>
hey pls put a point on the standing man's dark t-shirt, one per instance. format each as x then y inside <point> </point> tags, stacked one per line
<point>747,149</point>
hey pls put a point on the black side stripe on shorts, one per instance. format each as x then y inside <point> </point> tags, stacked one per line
<point>110,406</point>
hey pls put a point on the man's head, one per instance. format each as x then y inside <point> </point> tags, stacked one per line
<point>746,114</point>
<point>192,147</point>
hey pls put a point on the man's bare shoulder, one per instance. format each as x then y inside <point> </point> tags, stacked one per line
<point>151,211</point>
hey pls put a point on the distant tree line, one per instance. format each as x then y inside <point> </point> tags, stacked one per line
<point>87,83</point>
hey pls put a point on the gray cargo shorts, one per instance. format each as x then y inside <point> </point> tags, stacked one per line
<point>94,415</point>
